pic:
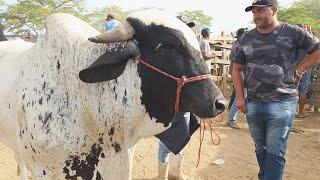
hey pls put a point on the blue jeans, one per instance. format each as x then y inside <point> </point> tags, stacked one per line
<point>270,124</point>
<point>163,151</point>
<point>232,116</point>
<point>305,82</point>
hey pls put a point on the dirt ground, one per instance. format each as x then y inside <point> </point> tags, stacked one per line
<point>236,149</point>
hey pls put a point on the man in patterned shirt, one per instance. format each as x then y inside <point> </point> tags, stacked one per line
<point>265,56</point>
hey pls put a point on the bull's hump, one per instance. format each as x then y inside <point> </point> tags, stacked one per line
<point>66,27</point>
<point>154,16</point>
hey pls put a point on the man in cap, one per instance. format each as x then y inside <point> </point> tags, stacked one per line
<point>110,22</point>
<point>205,47</point>
<point>233,110</point>
<point>265,56</point>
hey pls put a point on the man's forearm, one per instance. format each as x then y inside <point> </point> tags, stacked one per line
<point>208,55</point>
<point>309,62</point>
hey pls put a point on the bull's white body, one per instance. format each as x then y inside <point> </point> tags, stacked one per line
<point>48,115</point>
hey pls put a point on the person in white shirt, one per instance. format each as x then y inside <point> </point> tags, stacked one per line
<point>205,47</point>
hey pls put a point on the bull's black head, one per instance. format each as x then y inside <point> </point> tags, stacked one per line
<point>169,45</point>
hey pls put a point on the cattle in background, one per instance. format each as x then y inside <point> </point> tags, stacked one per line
<point>64,128</point>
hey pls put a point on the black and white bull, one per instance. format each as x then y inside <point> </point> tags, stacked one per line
<point>64,128</point>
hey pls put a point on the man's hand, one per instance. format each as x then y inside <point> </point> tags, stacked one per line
<point>298,78</point>
<point>242,105</point>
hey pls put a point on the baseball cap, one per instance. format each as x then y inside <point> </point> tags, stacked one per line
<point>205,31</point>
<point>261,3</point>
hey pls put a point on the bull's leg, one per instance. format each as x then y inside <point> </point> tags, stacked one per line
<point>21,170</point>
<point>118,165</point>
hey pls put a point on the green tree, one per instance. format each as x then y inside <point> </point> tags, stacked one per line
<point>198,17</point>
<point>299,13</point>
<point>26,17</point>
<point>313,6</point>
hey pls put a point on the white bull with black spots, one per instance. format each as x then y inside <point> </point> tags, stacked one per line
<point>64,128</point>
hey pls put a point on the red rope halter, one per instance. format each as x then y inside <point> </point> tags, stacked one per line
<point>180,81</point>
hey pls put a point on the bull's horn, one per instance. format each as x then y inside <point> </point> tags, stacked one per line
<point>123,32</point>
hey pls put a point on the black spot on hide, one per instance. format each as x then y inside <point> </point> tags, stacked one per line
<point>111,132</point>
<point>44,85</point>
<point>58,65</point>
<point>33,150</point>
<point>98,176</point>
<point>83,168</point>
<point>101,140</point>
<point>124,100</point>
<point>115,96</point>
<point>44,172</point>
<point>47,117</point>
<point>116,146</point>
<point>23,96</point>
<point>40,117</point>
<point>40,101</point>
<point>9,106</point>
<point>102,155</point>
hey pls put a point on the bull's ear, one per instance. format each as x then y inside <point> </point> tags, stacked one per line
<point>109,65</point>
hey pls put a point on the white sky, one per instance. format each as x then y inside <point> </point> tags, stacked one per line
<point>228,15</point>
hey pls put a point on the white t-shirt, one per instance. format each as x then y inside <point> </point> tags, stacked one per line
<point>204,45</point>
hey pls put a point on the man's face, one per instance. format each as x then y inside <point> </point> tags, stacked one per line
<point>262,16</point>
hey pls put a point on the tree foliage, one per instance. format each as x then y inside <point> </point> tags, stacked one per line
<point>198,17</point>
<point>26,17</point>
<point>302,12</point>
<point>313,6</point>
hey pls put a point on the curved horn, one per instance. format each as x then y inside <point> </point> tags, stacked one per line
<point>123,32</point>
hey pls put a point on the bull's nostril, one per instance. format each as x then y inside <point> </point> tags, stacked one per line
<point>220,105</point>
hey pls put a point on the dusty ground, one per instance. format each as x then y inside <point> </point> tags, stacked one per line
<point>236,149</point>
